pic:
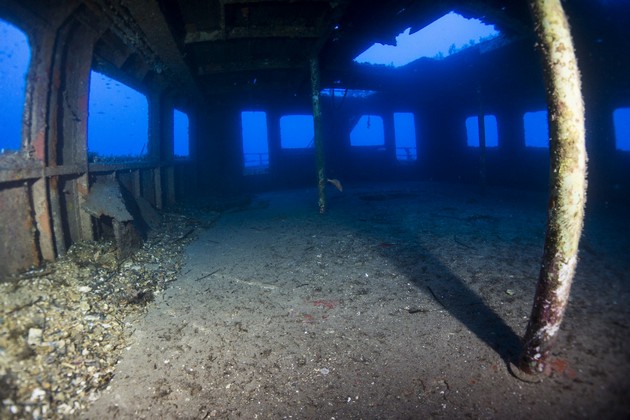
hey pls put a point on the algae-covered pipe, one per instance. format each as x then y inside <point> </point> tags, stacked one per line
<point>567,194</point>
<point>319,142</point>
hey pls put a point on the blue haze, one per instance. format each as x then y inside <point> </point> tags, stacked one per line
<point>118,122</point>
<point>255,143</point>
<point>536,129</point>
<point>472,131</point>
<point>621,118</point>
<point>181,134</point>
<point>15,57</point>
<point>405,133</point>
<point>297,131</point>
<point>368,131</point>
<point>446,35</point>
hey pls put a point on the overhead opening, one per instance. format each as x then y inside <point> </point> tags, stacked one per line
<point>491,132</point>
<point>447,35</point>
<point>181,134</point>
<point>15,57</point>
<point>368,131</point>
<point>255,142</point>
<point>297,131</point>
<point>405,133</point>
<point>536,129</point>
<point>621,119</point>
<point>118,122</point>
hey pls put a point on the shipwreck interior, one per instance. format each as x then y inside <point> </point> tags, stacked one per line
<point>201,79</point>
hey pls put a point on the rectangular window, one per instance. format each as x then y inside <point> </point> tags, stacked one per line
<point>297,131</point>
<point>368,131</point>
<point>472,131</point>
<point>621,119</point>
<point>181,135</point>
<point>15,57</point>
<point>255,143</point>
<point>118,122</point>
<point>536,129</point>
<point>405,132</point>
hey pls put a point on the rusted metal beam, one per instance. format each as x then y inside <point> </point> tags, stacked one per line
<point>244,2</point>
<point>319,137</point>
<point>170,185</point>
<point>250,65</point>
<point>159,44</point>
<point>43,222</point>
<point>18,246</point>
<point>193,37</point>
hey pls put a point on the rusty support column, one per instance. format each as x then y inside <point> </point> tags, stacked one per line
<point>319,142</point>
<point>567,184</point>
<point>43,222</point>
<point>170,192</point>
<point>154,147</point>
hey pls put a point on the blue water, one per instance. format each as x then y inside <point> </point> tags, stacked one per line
<point>255,143</point>
<point>181,134</point>
<point>368,131</point>
<point>472,131</point>
<point>15,57</point>
<point>536,129</point>
<point>118,121</point>
<point>445,36</point>
<point>296,131</point>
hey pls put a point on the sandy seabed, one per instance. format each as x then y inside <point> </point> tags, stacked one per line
<point>403,301</point>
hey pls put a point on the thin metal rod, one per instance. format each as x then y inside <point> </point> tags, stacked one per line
<point>319,142</point>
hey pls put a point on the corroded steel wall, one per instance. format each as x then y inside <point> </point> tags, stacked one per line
<point>18,244</point>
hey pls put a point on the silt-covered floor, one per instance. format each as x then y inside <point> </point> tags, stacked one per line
<point>403,301</point>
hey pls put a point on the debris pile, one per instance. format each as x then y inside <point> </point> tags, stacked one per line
<point>62,327</point>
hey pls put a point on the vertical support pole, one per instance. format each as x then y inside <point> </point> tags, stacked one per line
<point>319,143</point>
<point>170,185</point>
<point>82,188</point>
<point>481,124</point>
<point>155,147</point>
<point>41,210</point>
<point>136,183</point>
<point>567,184</point>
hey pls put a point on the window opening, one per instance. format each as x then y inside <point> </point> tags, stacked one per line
<point>15,57</point>
<point>297,131</point>
<point>118,122</point>
<point>368,131</point>
<point>181,134</point>
<point>621,120</point>
<point>447,35</point>
<point>405,133</point>
<point>472,131</point>
<point>536,129</point>
<point>255,142</point>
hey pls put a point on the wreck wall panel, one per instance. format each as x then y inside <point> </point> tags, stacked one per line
<point>18,247</point>
<point>147,180</point>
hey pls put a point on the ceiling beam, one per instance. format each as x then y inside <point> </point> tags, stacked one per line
<point>151,21</point>
<point>275,1</point>
<point>250,65</point>
<point>244,33</point>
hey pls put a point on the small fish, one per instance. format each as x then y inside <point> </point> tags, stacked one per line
<point>336,183</point>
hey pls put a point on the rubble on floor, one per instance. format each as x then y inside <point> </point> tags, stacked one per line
<point>63,327</point>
